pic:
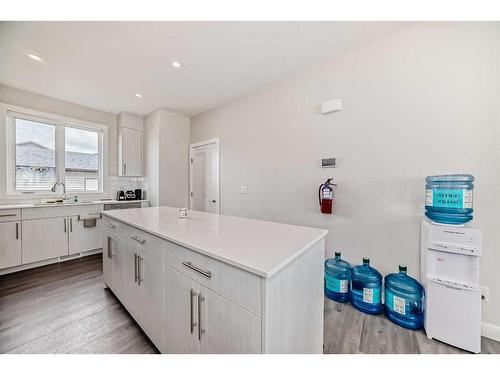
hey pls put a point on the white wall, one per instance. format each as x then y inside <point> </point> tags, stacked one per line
<point>166,144</point>
<point>25,99</point>
<point>423,101</point>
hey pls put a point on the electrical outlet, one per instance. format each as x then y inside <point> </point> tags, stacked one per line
<point>485,294</point>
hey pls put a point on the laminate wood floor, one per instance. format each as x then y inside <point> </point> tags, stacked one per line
<point>64,308</point>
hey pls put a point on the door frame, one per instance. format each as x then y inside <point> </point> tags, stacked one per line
<point>192,146</point>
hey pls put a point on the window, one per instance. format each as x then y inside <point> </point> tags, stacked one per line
<point>47,151</point>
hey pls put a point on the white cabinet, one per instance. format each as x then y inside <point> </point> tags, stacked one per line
<point>10,244</point>
<point>201,321</point>
<point>130,145</point>
<point>226,327</point>
<point>83,238</point>
<point>181,313</point>
<point>44,239</point>
<point>151,298</point>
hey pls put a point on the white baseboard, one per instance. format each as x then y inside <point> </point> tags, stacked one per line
<point>490,331</point>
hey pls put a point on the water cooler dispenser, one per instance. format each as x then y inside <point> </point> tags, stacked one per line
<point>450,275</point>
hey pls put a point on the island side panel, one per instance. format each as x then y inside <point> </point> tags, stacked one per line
<point>293,305</point>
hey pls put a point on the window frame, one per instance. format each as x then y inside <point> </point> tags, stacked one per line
<point>60,122</point>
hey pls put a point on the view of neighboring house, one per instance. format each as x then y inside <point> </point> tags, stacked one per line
<point>36,165</point>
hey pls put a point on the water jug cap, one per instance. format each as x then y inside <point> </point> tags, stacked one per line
<point>402,268</point>
<point>337,254</point>
<point>366,261</point>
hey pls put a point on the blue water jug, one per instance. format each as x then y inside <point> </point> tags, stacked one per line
<point>404,299</point>
<point>337,279</point>
<point>366,286</point>
<point>448,198</point>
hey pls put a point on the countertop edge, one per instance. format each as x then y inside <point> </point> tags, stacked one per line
<point>18,206</point>
<point>258,272</point>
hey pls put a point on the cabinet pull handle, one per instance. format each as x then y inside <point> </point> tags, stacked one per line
<point>65,229</point>
<point>71,224</point>
<point>110,252</point>
<point>7,215</point>
<point>124,168</point>
<point>139,273</point>
<point>112,226</point>
<point>200,329</point>
<point>135,267</point>
<point>17,231</point>
<point>207,274</point>
<point>140,240</point>
<point>193,324</point>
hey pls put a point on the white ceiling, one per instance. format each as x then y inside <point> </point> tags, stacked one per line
<point>103,64</point>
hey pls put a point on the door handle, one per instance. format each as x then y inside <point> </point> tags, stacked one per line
<point>110,252</point>
<point>135,267</point>
<point>192,294</point>
<point>17,231</point>
<point>71,224</point>
<point>65,229</point>
<point>140,240</point>
<point>124,168</point>
<point>201,331</point>
<point>139,273</point>
<point>207,274</point>
<point>7,215</point>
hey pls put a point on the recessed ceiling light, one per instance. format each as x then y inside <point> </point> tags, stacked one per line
<point>138,95</point>
<point>176,64</point>
<point>34,57</point>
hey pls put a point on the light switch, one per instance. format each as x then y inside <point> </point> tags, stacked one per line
<point>244,189</point>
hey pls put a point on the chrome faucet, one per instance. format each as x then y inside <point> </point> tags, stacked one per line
<point>64,188</point>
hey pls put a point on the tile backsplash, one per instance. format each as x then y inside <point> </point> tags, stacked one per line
<point>116,183</point>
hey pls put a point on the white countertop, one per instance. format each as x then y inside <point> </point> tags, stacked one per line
<point>11,206</point>
<point>260,247</point>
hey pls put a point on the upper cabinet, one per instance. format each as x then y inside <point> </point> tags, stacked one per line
<point>130,144</point>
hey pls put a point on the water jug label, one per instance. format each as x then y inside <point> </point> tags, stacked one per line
<point>395,303</point>
<point>371,295</point>
<point>337,285</point>
<point>449,198</point>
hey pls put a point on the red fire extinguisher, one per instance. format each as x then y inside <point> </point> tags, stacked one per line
<point>325,195</point>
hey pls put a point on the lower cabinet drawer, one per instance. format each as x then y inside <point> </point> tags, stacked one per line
<point>241,287</point>
<point>10,215</point>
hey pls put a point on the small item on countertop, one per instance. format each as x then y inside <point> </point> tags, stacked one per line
<point>183,213</point>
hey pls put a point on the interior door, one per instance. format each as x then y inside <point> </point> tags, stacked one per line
<point>131,152</point>
<point>10,244</point>
<point>227,327</point>
<point>152,302</point>
<point>204,183</point>
<point>181,318</point>
<point>83,238</point>
<point>44,239</point>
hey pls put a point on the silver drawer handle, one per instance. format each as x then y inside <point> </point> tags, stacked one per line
<point>110,225</point>
<point>192,324</point>
<point>207,274</point>
<point>200,316</point>
<point>8,215</point>
<point>140,240</point>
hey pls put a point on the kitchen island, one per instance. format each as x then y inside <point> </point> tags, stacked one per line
<point>217,284</point>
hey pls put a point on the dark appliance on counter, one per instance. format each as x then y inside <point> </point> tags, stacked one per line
<point>138,194</point>
<point>130,195</point>
<point>120,195</point>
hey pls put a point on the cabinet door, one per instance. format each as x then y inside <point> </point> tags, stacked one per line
<point>83,239</point>
<point>44,239</point>
<point>152,293</point>
<point>181,319</point>
<point>226,327</point>
<point>107,259</point>
<point>131,152</point>
<point>125,276</point>
<point>10,244</point>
